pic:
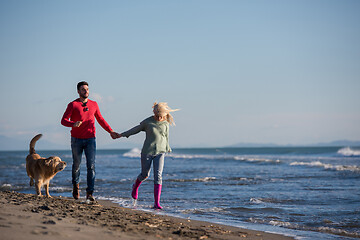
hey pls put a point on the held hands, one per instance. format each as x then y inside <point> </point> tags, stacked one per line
<point>115,135</point>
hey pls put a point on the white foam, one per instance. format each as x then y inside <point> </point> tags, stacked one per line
<point>281,224</point>
<point>256,159</point>
<point>348,152</point>
<point>244,179</point>
<point>256,200</point>
<point>289,225</point>
<point>60,189</point>
<point>191,156</point>
<point>225,156</point>
<point>202,210</point>
<point>338,231</point>
<point>133,153</point>
<point>205,179</point>
<point>352,168</point>
<point>121,201</point>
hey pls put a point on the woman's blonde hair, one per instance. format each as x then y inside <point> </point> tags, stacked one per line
<point>162,109</point>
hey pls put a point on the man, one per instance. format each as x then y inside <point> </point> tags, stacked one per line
<point>80,115</point>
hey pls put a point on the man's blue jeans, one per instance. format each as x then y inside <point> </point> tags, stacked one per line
<point>78,146</point>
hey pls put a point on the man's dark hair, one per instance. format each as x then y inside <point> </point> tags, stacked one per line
<point>81,84</point>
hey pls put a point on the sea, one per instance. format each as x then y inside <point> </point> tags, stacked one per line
<point>304,192</point>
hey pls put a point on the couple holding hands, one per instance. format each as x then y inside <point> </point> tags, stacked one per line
<point>80,115</point>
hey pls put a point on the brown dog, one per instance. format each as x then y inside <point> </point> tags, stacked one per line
<point>42,170</point>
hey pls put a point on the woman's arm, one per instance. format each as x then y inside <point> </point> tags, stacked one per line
<point>133,130</point>
<point>168,148</point>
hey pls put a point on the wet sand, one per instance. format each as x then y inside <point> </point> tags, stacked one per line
<point>26,216</point>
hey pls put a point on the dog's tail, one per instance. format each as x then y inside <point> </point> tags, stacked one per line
<point>32,143</point>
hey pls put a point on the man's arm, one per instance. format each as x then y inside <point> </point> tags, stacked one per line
<point>65,120</point>
<point>104,124</point>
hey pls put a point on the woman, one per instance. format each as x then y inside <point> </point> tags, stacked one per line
<point>155,146</point>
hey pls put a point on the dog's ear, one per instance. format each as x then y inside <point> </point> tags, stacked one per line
<point>48,161</point>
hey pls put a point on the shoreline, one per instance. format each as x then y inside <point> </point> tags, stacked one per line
<point>26,216</point>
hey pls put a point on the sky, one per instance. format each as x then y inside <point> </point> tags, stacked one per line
<point>283,72</point>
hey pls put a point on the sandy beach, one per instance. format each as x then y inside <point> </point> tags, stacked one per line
<point>26,216</point>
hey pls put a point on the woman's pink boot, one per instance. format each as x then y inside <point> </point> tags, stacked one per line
<point>136,186</point>
<point>157,193</point>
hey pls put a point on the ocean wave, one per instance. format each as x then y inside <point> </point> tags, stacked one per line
<point>192,156</point>
<point>204,179</point>
<point>256,159</point>
<point>224,157</point>
<point>202,210</point>
<point>340,232</point>
<point>241,179</point>
<point>256,200</point>
<point>282,224</point>
<point>352,168</point>
<point>59,189</point>
<point>133,153</point>
<point>136,153</point>
<point>273,200</point>
<point>262,210</point>
<point>120,201</point>
<point>6,186</point>
<point>8,167</point>
<point>323,229</point>
<point>348,152</point>
<point>264,200</point>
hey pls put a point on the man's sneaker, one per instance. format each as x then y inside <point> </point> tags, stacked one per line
<point>75,192</point>
<point>89,196</point>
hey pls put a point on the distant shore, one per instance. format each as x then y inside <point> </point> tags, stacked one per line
<point>26,216</point>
